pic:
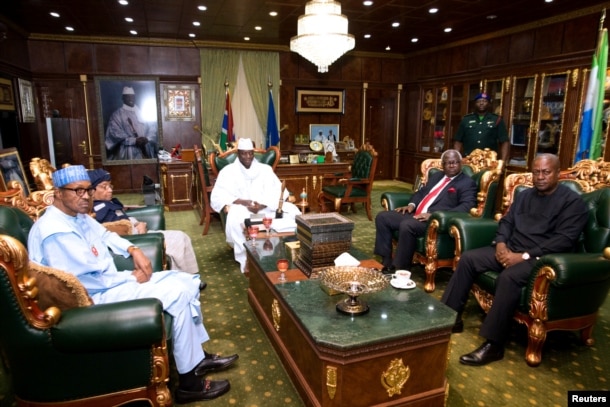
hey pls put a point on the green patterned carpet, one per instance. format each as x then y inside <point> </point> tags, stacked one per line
<point>258,378</point>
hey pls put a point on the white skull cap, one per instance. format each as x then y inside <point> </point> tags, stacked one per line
<point>128,90</point>
<point>245,144</point>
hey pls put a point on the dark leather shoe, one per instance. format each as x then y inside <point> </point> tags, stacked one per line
<point>211,390</point>
<point>213,362</point>
<point>486,353</point>
<point>458,327</point>
<point>388,270</point>
<point>202,285</point>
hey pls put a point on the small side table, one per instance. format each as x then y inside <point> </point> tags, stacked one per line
<point>177,180</point>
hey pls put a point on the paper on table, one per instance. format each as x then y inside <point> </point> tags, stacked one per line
<point>346,259</point>
<point>282,225</point>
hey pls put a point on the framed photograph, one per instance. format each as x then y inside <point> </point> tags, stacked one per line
<point>324,132</point>
<point>7,97</point>
<point>26,100</point>
<point>179,102</point>
<point>11,169</point>
<point>129,114</point>
<point>294,158</point>
<point>320,101</point>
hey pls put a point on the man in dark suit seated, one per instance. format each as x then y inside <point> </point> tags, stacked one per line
<point>450,190</point>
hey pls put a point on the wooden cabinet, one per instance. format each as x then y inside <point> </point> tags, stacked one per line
<point>308,178</point>
<point>177,182</point>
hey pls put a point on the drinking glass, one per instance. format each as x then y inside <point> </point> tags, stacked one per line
<point>282,266</point>
<point>267,221</point>
<point>253,232</point>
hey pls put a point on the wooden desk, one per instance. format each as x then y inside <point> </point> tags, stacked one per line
<point>336,360</point>
<point>308,176</point>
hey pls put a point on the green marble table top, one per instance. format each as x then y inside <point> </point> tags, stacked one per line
<point>393,314</point>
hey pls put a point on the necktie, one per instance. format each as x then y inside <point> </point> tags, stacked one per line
<point>428,199</point>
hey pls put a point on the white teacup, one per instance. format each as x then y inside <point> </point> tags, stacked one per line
<point>402,277</point>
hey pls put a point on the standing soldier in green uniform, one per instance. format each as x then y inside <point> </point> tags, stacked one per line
<point>482,129</point>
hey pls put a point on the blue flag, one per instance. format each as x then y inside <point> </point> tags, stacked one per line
<point>273,134</point>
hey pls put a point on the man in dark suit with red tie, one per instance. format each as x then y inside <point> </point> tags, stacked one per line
<point>450,190</point>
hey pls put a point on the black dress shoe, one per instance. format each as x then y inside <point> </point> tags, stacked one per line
<point>202,285</point>
<point>211,390</point>
<point>388,270</point>
<point>486,353</point>
<point>213,362</point>
<point>458,327</point>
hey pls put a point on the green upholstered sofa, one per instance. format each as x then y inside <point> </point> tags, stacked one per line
<point>436,249</point>
<point>565,290</point>
<point>74,353</point>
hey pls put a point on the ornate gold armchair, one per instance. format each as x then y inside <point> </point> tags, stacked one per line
<point>565,290</point>
<point>436,249</point>
<point>60,349</point>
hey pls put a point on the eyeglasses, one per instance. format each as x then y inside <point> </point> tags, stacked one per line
<point>106,186</point>
<point>81,191</point>
<point>451,162</point>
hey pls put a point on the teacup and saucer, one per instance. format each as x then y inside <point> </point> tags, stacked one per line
<point>401,279</point>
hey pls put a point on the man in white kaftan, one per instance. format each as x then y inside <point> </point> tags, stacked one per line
<point>67,238</point>
<point>129,136</point>
<point>247,187</point>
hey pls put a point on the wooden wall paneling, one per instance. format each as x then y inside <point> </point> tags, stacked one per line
<point>163,61</point>
<point>548,40</point>
<point>581,34</point>
<point>371,70</point>
<point>392,70</point>
<point>188,62</point>
<point>135,60</point>
<point>107,59</point>
<point>521,47</point>
<point>497,51</point>
<point>79,57</point>
<point>47,57</point>
<point>351,69</point>
<point>459,58</point>
<point>477,55</point>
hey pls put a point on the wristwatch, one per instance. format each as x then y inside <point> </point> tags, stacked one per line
<point>525,256</point>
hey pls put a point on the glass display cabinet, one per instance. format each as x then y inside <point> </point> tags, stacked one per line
<point>428,120</point>
<point>520,127</point>
<point>550,119</point>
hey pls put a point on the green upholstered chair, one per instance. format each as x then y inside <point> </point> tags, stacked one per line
<point>270,156</point>
<point>565,290</point>
<point>353,187</point>
<point>436,248</point>
<point>59,349</point>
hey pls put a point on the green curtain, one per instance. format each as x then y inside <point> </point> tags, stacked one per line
<point>220,65</point>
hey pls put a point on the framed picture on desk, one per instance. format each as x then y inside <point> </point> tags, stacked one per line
<point>324,132</point>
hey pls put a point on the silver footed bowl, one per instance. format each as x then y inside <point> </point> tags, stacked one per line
<point>353,281</point>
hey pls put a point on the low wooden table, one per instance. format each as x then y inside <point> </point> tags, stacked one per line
<point>395,355</point>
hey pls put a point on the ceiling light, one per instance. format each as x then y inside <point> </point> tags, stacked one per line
<point>395,24</point>
<point>129,19</point>
<point>367,3</point>
<point>191,35</point>
<point>448,29</point>
<point>433,10</point>
<point>491,17</point>
<point>54,14</point>
<point>133,32</point>
<point>202,8</point>
<point>273,13</point>
<point>68,28</point>
<point>196,23</point>
<point>123,2</point>
<point>414,39</point>
<point>388,48</point>
<point>322,35</point>
<point>258,28</point>
<point>367,35</point>
<point>246,38</point>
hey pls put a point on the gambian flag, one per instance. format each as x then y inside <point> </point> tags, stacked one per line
<point>592,116</point>
<point>227,135</point>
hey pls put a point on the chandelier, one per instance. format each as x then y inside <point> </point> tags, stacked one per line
<point>322,34</point>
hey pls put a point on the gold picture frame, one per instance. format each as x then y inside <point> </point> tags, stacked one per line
<point>11,169</point>
<point>320,101</point>
<point>7,96</point>
<point>179,102</point>
<point>26,101</point>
